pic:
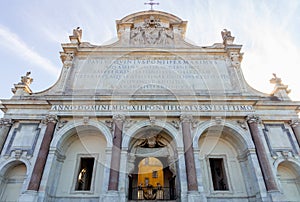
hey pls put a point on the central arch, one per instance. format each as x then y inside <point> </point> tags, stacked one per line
<point>152,165</point>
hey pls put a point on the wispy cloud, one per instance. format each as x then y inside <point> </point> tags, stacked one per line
<point>12,42</point>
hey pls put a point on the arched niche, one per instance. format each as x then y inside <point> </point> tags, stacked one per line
<point>81,161</point>
<point>12,181</point>
<point>288,174</point>
<point>225,163</point>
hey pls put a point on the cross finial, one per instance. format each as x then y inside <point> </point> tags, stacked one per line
<point>151,3</point>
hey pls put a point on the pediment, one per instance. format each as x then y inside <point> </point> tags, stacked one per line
<point>151,29</point>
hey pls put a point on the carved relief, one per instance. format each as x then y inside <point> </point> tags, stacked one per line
<point>152,120</point>
<point>242,124</point>
<point>235,58</point>
<point>61,124</point>
<point>176,124</point>
<point>6,122</point>
<point>67,59</point>
<point>86,119</point>
<point>109,124</point>
<point>186,118</point>
<point>152,141</point>
<point>294,123</point>
<point>49,118</point>
<point>252,118</point>
<point>151,33</point>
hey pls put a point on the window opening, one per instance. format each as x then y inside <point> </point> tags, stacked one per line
<point>218,174</point>
<point>84,177</point>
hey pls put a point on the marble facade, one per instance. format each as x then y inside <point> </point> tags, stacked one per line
<point>150,95</point>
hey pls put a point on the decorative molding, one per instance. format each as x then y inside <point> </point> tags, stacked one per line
<point>253,118</point>
<point>242,124</point>
<point>119,117</point>
<point>219,120</point>
<point>67,59</point>
<point>152,120</point>
<point>61,124</point>
<point>6,122</point>
<point>195,123</point>
<point>50,118</point>
<point>86,120</point>
<point>109,124</point>
<point>20,149</point>
<point>294,123</point>
<point>286,131</point>
<point>236,59</point>
<point>186,118</point>
<point>175,123</point>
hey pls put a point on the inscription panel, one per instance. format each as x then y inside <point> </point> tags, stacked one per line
<point>151,74</point>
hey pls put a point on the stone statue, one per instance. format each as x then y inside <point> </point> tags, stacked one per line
<point>26,80</point>
<point>77,33</point>
<point>277,81</point>
<point>226,34</point>
<point>227,37</point>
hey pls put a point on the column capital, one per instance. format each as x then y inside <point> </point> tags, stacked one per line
<point>253,118</point>
<point>186,118</point>
<point>294,123</point>
<point>119,117</point>
<point>50,118</point>
<point>6,122</point>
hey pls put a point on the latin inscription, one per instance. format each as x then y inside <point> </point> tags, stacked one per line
<point>133,74</point>
<point>143,108</point>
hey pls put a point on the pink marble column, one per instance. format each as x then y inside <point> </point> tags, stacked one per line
<point>116,153</point>
<point>261,152</point>
<point>40,162</point>
<point>295,124</point>
<point>189,153</point>
<point>5,126</point>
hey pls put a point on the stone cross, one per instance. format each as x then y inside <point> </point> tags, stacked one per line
<point>151,3</point>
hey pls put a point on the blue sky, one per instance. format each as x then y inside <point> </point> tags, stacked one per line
<point>31,33</point>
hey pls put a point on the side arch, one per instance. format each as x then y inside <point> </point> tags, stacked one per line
<point>281,159</point>
<point>131,132</point>
<point>66,132</point>
<point>13,162</point>
<point>241,134</point>
<point>12,177</point>
<point>288,176</point>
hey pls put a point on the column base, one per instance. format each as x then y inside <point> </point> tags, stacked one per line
<point>193,196</point>
<point>112,196</point>
<point>29,196</point>
<point>276,196</point>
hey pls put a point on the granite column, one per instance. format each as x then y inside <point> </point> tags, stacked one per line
<point>116,153</point>
<point>41,159</point>
<point>188,153</point>
<point>262,154</point>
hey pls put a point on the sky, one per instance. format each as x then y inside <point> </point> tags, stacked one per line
<point>31,33</point>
